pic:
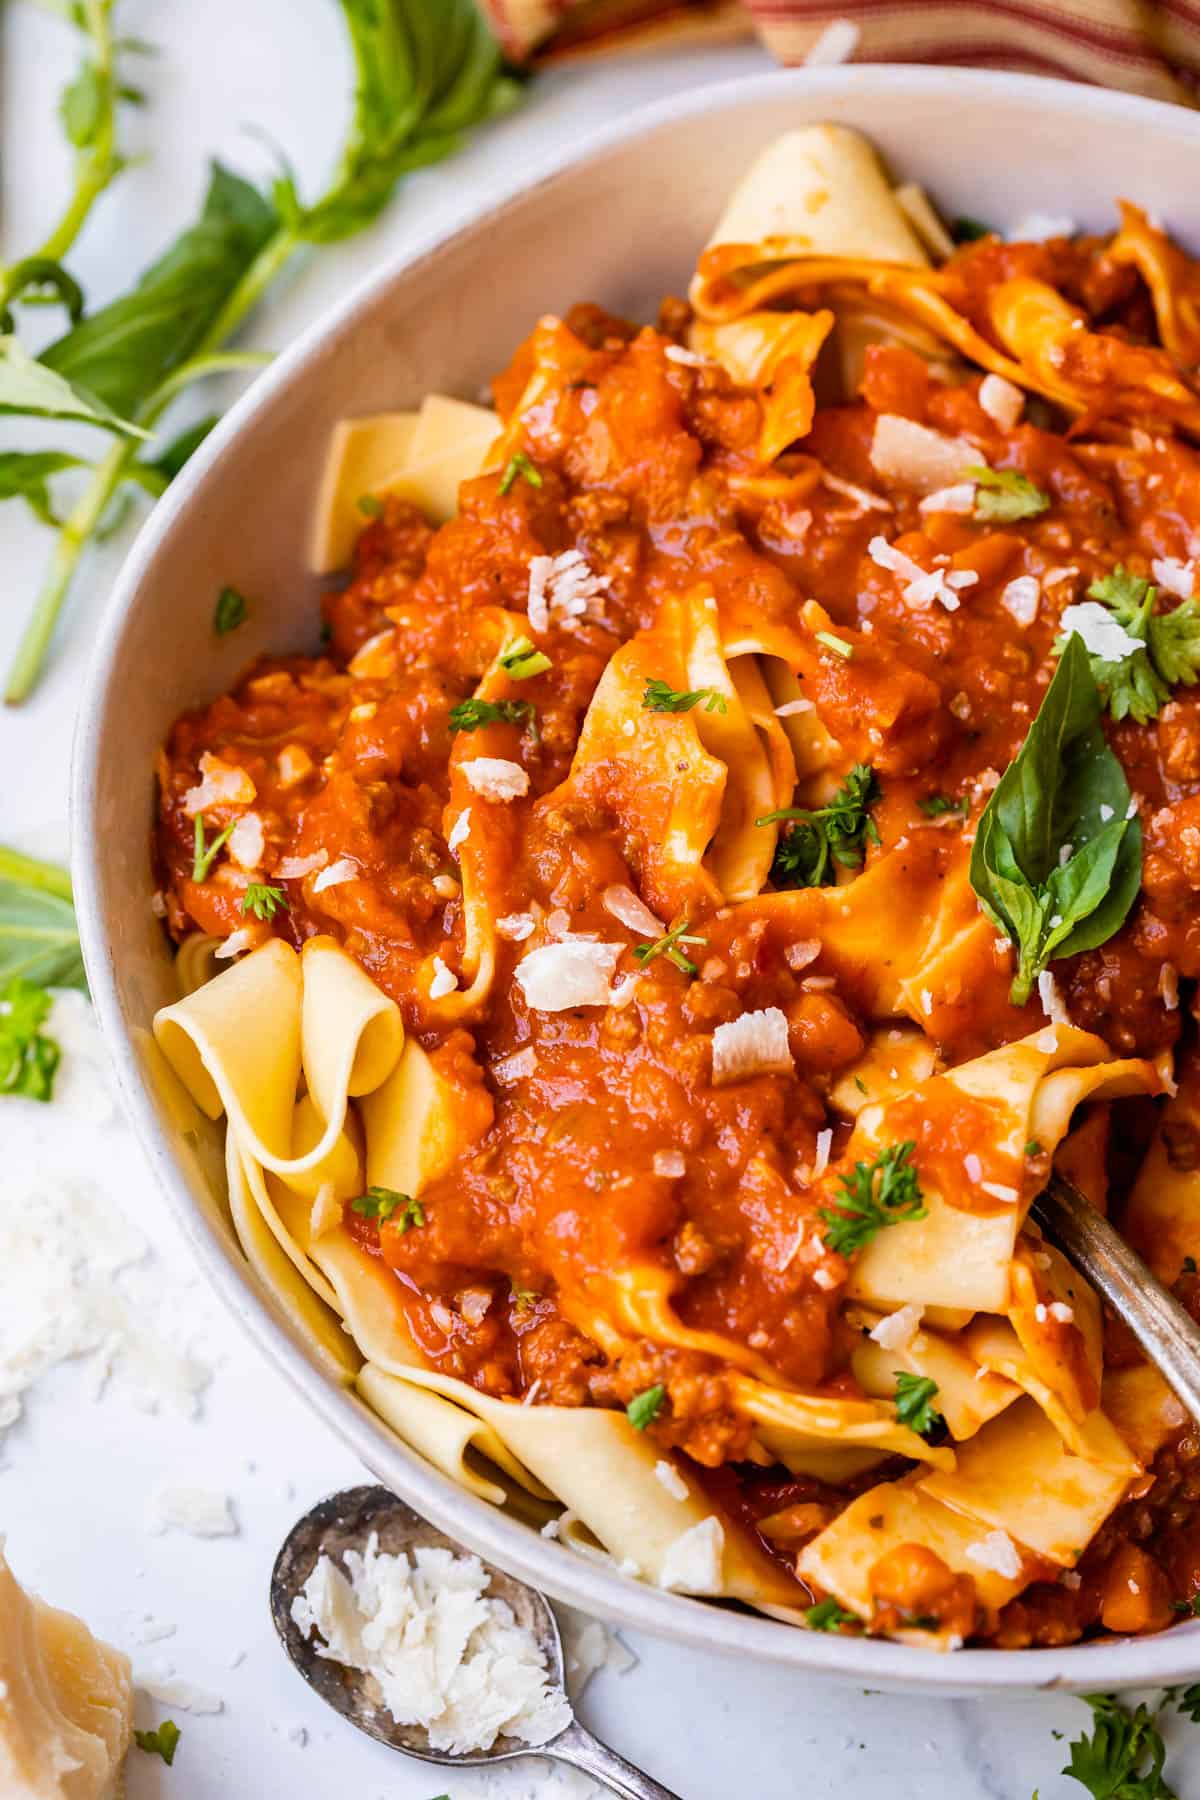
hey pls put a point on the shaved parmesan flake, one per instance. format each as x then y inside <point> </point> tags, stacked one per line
<point>377,656</point>
<point>516,927</point>
<point>690,359</point>
<point>495,778</point>
<point>862,496</point>
<point>624,990</point>
<point>957,499</point>
<point>445,887</point>
<point>973,1166</point>
<point>1037,227</point>
<point>1053,1004</point>
<point>1102,635</point>
<point>220,784</point>
<point>799,955</point>
<point>794,709</point>
<point>1000,1190</point>
<point>295,868</point>
<point>1062,1312</point>
<point>669,1163</point>
<point>561,590</point>
<point>1022,597</point>
<point>1001,400</point>
<point>248,842</point>
<point>825,1278</point>
<point>692,1564</point>
<point>202,1512</point>
<point>293,763</point>
<point>755,1044</point>
<point>444,1654</point>
<point>183,1696</point>
<point>821,1159</point>
<point>517,1067</point>
<point>914,456</point>
<point>898,1329</point>
<point>996,1552</point>
<point>836,44</point>
<point>632,911</point>
<point>444,980</point>
<point>1174,576</point>
<point>460,831</point>
<point>344,869</point>
<point>235,943</point>
<point>572,972</point>
<point>919,587</point>
<point>1168,987</point>
<point>669,1477</point>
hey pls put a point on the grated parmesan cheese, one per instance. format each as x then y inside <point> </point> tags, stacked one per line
<point>631,910</point>
<point>821,1159</point>
<point>460,831</point>
<point>444,982</point>
<point>517,1067</point>
<point>183,1696</point>
<point>1053,1004</point>
<point>836,44</point>
<point>248,842</point>
<point>799,955</point>
<point>571,972</point>
<point>344,869</point>
<point>670,1164</point>
<point>755,1044</point>
<point>693,1561</point>
<point>1168,987</point>
<point>1173,576</point>
<point>957,499</point>
<point>897,1330</point>
<point>295,868</point>
<point>201,1512</point>
<point>1000,1190</point>
<point>914,456</point>
<point>1102,635</point>
<point>516,927</point>
<point>220,784</point>
<point>1021,598</point>
<point>690,359</point>
<point>495,777</point>
<point>561,590</point>
<point>794,709</point>
<point>996,1552</point>
<point>1001,400</point>
<point>444,1653</point>
<point>235,943</point>
<point>668,1476</point>
<point>920,587</point>
<point>1062,1312</point>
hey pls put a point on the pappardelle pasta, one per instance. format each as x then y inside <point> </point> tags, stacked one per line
<point>740,834</point>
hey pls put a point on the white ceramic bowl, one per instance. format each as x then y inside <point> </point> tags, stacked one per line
<point>620,222</point>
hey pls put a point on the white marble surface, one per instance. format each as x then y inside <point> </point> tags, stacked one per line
<point>78,1470</point>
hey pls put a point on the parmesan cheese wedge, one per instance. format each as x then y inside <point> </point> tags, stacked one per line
<point>449,446</point>
<point>66,1703</point>
<point>364,455</point>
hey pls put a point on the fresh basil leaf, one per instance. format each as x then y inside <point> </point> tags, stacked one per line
<point>84,105</point>
<point>25,475</point>
<point>41,278</point>
<point>1056,841</point>
<point>122,352</point>
<point>39,941</point>
<point>30,388</point>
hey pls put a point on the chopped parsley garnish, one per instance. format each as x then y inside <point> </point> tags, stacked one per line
<point>263,900</point>
<point>521,1297</point>
<point>966,230</point>
<point>28,1058</point>
<point>231,611</point>
<point>820,836</point>
<point>1004,495</point>
<point>1192,1609</point>
<point>668,946</point>
<point>827,1615</point>
<point>936,806</point>
<point>164,1742</point>
<point>645,1407</point>
<point>838,645</point>
<point>205,855</point>
<point>1139,685</point>
<point>914,1402</point>
<point>659,697</point>
<point>519,465</point>
<point>1033,1148</point>
<point>1123,1757</point>
<point>522,658</point>
<point>469,715</point>
<point>880,1193</point>
<point>1189,1701</point>
<point>389,1208</point>
<point>370,506</point>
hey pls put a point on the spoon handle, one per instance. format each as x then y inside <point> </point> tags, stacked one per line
<point>579,1748</point>
<point>1166,1332</point>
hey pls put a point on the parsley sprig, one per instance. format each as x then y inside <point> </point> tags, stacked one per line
<point>818,837</point>
<point>522,659</point>
<point>668,946</point>
<point>915,1395</point>
<point>230,611</point>
<point>263,900</point>
<point>1139,686</point>
<point>469,715</point>
<point>661,697</point>
<point>645,1407</point>
<point>520,465</point>
<point>204,854</point>
<point>1122,1758</point>
<point>389,1207</point>
<point>39,940</point>
<point>878,1194</point>
<point>827,1615</point>
<point>1002,496</point>
<point>28,1058</point>
<point>936,806</point>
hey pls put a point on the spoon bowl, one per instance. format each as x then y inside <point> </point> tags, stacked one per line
<point>346,1521</point>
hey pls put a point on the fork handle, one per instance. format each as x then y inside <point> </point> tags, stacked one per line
<point>579,1748</point>
<point>1166,1332</point>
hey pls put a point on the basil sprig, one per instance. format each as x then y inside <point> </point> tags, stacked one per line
<point>39,942</point>
<point>1057,860</point>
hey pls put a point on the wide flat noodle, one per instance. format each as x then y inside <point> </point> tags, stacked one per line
<point>459,1443</point>
<point>966,1396</point>
<point>1162,1217</point>
<point>415,1125</point>
<point>805,1421</point>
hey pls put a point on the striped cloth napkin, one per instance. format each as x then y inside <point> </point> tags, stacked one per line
<point>1145,46</point>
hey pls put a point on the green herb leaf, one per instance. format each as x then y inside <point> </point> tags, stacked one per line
<point>659,697</point>
<point>966,230</point>
<point>819,837</point>
<point>668,946</point>
<point>1004,495</point>
<point>469,715</point>
<point>1123,1757</point>
<point>645,1407</point>
<point>839,645</point>
<point>1057,860</point>
<point>164,1742</point>
<point>936,806</point>
<point>39,940</point>
<point>915,1395</point>
<point>25,475</point>
<point>125,350</point>
<point>827,1615</point>
<point>28,1058</point>
<point>519,465</point>
<point>263,900</point>
<point>1189,1701</point>
<point>878,1194</point>
<point>1139,685</point>
<point>204,855</point>
<point>389,1207</point>
<point>230,612</point>
<point>370,506</point>
<point>521,659</point>
<point>38,280</point>
<point>38,392</point>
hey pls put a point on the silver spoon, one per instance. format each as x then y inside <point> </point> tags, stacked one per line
<point>345,1522</point>
<point>1166,1332</point>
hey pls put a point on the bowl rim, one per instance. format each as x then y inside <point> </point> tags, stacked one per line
<point>498,1536</point>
